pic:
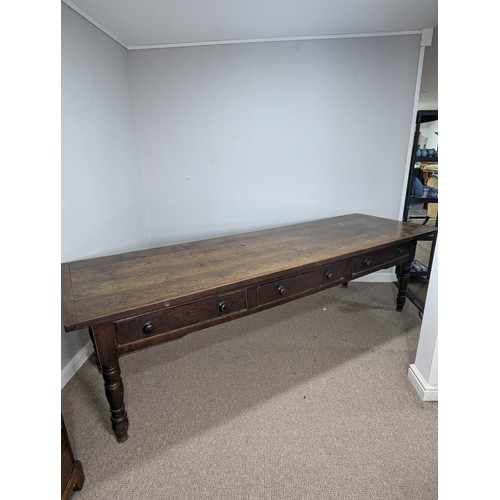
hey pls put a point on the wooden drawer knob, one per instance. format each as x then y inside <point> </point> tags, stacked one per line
<point>329,275</point>
<point>281,290</point>
<point>223,307</point>
<point>400,250</point>
<point>367,262</point>
<point>149,328</point>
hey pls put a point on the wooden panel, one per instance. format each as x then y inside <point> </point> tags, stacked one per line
<point>152,324</point>
<point>303,283</point>
<point>66,461</point>
<point>380,259</point>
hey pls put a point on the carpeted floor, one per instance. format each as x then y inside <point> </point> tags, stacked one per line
<point>308,400</point>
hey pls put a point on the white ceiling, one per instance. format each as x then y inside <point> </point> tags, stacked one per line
<point>142,23</point>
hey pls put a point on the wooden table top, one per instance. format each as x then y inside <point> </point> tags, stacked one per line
<point>108,288</point>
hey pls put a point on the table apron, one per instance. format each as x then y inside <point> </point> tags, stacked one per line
<point>167,324</point>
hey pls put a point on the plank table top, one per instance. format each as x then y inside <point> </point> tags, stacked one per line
<point>112,287</point>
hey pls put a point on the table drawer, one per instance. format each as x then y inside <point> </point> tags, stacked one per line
<point>379,259</point>
<point>155,323</point>
<point>303,283</point>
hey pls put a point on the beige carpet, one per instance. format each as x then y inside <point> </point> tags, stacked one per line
<point>309,400</point>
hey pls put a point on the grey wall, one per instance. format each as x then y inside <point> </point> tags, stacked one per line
<point>428,98</point>
<point>102,203</point>
<point>238,137</point>
<point>228,138</point>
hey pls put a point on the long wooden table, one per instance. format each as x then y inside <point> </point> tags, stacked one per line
<point>139,299</point>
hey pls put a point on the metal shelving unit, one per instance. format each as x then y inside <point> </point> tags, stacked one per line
<point>419,271</point>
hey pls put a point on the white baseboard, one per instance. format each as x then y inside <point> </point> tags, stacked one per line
<point>74,365</point>
<point>379,277</point>
<point>427,392</point>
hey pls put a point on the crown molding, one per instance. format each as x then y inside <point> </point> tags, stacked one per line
<point>273,39</point>
<point>77,9</point>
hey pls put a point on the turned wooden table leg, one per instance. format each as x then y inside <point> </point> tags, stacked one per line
<point>404,278</point>
<point>105,343</point>
<point>95,356</point>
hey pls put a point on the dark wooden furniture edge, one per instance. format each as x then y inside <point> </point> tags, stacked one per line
<point>72,476</point>
<point>67,303</point>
